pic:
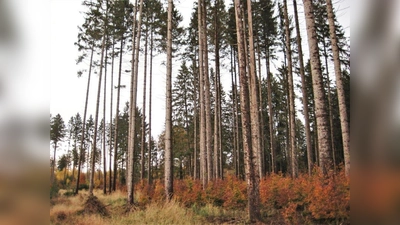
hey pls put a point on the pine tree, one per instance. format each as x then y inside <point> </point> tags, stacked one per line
<point>57,133</point>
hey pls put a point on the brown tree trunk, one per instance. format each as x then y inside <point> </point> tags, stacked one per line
<point>254,103</point>
<point>117,116</point>
<point>143,141</point>
<point>304,90</point>
<point>292,113</point>
<point>324,145</point>
<point>203,145</point>
<point>91,185</point>
<point>149,172</point>
<point>344,123</point>
<point>84,123</point>
<point>132,116</point>
<point>168,112</point>
<point>250,156</point>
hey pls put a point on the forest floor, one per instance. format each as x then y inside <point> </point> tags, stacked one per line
<point>76,210</point>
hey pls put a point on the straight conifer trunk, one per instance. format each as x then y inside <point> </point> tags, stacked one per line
<point>344,123</point>
<point>94,146</point>
<point>292,135</point>
<point>132,117</point>
<point>250,165</point>
<point>203,146</point>
<point>168,112</point>
<point>254,103</point>
<point>324,144</point>
<point>117,116</point>
<point>304,91</point>
<point>143,141</point>
<point>84,123</point>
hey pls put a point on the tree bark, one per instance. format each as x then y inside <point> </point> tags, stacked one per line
<point>250,159</point>
<point>91,185</point>
<point>344,123</point>
<point>321,115</point>
<point>84,123</point>
<point>117,115</point>
<point>254,103</point>
<point>168,112</point>
<point>203,146</point>
<point>143,141</point>
<point>304,91</point>
<point>132,117</point>
<point>292,113</point>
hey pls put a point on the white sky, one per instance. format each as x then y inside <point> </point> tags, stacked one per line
<point>68,91</point>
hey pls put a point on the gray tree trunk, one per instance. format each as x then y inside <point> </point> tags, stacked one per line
<point>292,113</point>
<point>321,114</point>
<point>344,123</point>
<point>250,156</point>
<point>304,91</point>
<point>168,112</point>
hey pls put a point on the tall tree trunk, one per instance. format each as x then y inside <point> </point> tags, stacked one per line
<point>143,141</point>
<point>324,145</point>
<point>84,123</point>
<point>254,103</point>
<point>235,141</point>
<point>262,136</point>
<point>207,99</point>
<point>168,112</point>
<point>111,116</point>
<point>271,113</point>
<point>217,142</point>
<point>196,165</point>
<point>304,90</point>
<point>250,156</point>
<point>330,116</point>
<point>203,146</point>
<point>292,113</point>
<point>344,123</point>
<point>104,122</point>
<point>149,177</point>
<point>94,146</point>
<point>132,117</point>
<point>117,115</point>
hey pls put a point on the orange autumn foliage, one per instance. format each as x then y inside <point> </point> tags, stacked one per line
<point>304,198</point>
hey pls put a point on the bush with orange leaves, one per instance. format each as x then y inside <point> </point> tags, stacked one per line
<point>300,200</point>
<point>315,197</point>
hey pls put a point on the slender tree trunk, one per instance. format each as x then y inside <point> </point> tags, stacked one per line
<point>149,177</point>
<point>328,88</point>
<point>344,123</point>
<point>195,71</point>
<point>262,136</point>
<point>304,90</point>
<point>84,123</point>
<point>104,120</point>
<point>291,95</point>
<point>132,117</point>
<point>168,112</point>
<point>117,115</point>
<point>321,115</point>
<point>207,95</point>
<point>235,144</point>
<point>250,156</point>
<point>254,103</point>
<point>271,113</point>
<point>111,116</point>
<point>239,146</point>
<point>143,141</point>
<point>203,146</point>
<point>53,164</point>
<point>217,142</point>
<point>94,146</point>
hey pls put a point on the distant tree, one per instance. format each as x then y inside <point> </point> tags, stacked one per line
<point>57,133</point>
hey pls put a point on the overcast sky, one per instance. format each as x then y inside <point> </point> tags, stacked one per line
<point>68,91</point>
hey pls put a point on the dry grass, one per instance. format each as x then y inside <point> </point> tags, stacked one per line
<point>70,210</point>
